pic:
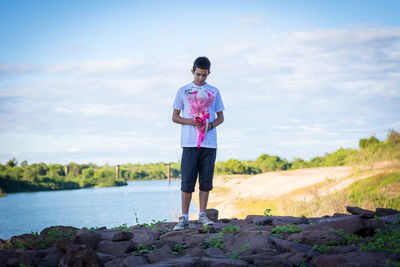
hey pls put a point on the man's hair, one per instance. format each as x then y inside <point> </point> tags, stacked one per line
<point>202,63</point>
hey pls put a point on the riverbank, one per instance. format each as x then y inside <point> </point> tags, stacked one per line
<point>310,192</point>
<point>357,238</point>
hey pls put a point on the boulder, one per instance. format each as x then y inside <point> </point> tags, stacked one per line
<point>159,255</point>
<point>49,256</point>
<point>248,244</point>
<point>130,260</point>
<point>122,236</point>
<point>316,237</point>
<point>349,224</point>
<point>86,237</point>
<point>52,230</point>
<point>25,241</point>
<point>116,248</point>
<point>218,262</point>
<point>384,211</point>
<point>356,258</point>
<point>212,214</point>
<point>80,255</point>
<point>177,262</point>
<point>360,211</point>
<point>144,235</point>
<point>275,261</point>
<point>215,252</point>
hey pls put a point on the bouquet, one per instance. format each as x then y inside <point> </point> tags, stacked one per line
<point>200,100</point>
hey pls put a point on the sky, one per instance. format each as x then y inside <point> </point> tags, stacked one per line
<point>94,81</point>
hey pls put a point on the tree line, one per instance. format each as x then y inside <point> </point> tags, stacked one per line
<point>22,177</point>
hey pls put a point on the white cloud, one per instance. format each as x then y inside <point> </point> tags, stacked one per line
<point>284,92</point>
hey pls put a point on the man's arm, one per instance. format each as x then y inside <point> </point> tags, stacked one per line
<point>218,120</point>
<point>177,118</point>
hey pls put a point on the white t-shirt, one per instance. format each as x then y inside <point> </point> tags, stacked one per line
<point>188,132</point>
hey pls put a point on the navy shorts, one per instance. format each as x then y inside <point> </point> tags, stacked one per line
<point>197,161</point>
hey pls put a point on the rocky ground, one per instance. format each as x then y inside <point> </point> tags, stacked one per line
<point>360,238</point>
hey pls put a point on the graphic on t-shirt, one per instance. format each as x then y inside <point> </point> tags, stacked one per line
<point>200,100</point>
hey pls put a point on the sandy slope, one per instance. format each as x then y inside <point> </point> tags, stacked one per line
<point>229,190</point>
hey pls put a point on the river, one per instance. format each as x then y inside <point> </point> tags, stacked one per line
<point>91,207</point>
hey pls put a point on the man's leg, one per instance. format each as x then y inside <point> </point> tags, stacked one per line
<point>186,198</point>
<point>206,173</point>
<point>203,197</point>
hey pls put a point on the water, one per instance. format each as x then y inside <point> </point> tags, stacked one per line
<point>93,207</point>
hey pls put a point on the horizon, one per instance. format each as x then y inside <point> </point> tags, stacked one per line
<point>94,81</point>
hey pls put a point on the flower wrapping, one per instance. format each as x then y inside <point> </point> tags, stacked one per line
<point>200,100</point>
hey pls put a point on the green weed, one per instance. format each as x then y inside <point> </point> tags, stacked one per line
<point>215,241</point>
<point>177,248</point>
<point>230,229</point>
<point>267,212</point>
<point>288,228</point>
<point>145,249</point>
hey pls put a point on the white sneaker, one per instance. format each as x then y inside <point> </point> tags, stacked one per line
<point>204,220</point>
<point>182,224</point>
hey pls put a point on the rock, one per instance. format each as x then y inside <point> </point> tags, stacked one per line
<point>144,235</point>
<point>360,211</point>
<point>178,262</point>
<point>296,258</point>
<point>374,225</point>
<point>248,244</point>
<point>287,246</point>
<point>56,230</point>
<point>130,260</point>
<point>49,257</point>
<point>215,252</point>
<point>384,212</point>
<point>25,241</point>
<point>80,255</point>
<point>389,219</point>
<point>12,262</point>
<point>116,248</point>
<point>273,262</point>
<point>104,257</point>
<point>159,255</point>
<point>107,234</point>
<point>316,237</point>
<point>3,243</point>
<point>196,252</point>
<point>225,220</point>
<point>122,236</point>
<point>356,258</point>
<point>86,237</point>
<point>215,262</point>
<point>62,244</point>
<point>302,220</point>
<point>338,214</point>
<point>349,224</point>
<point>212,214</point>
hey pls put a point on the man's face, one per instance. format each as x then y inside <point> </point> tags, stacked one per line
<point>200,76</point>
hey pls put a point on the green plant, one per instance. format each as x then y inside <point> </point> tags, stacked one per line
<point>387,240</point>
<point>391,262</point>
<point>267,212</point>
<point>215,241</point>
<point>206,229</point>
<point>230,229</point>
<point>322,247</point>
<point>177,248</point>
<point>136,219</point>
<point>312,224</point>
<point>303,265</point>
<point>124,227</point>
<point>152,225</point>
<point>232,254</point>
<point>144,249</point>
<point>259,226</point>
<point>288,228</point>
<point>245,246</point>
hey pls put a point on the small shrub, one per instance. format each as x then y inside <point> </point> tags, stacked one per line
<point>288,228</point>
<point>215,241</point>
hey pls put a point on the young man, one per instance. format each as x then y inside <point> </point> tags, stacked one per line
<point>197,161</point>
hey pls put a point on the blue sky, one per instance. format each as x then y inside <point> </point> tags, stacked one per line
<point>94,81</point>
